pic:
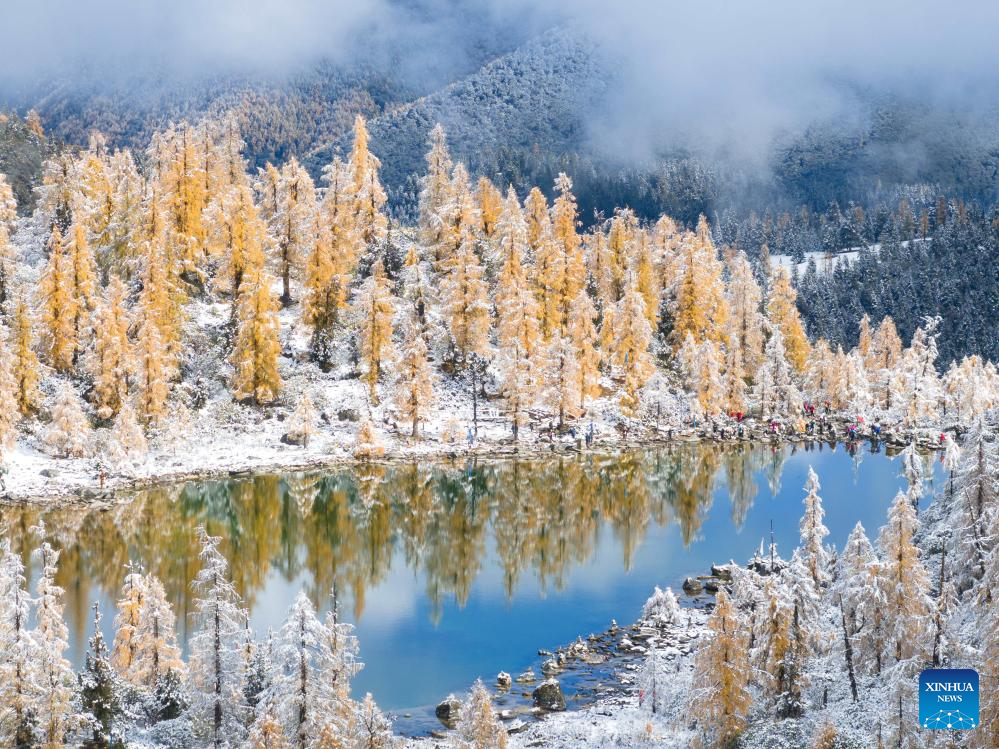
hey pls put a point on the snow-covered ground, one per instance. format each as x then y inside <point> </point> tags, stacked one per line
<point>827,262</point>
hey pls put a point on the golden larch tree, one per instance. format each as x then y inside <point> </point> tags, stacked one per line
<point>465,292</point>
<point>745,331</point>
<point>700,307</point>
<point>25,361</point>
<point>414,385</point>
<point>59,306</point>
<point>631,338</point>
<point>369,196</point>
<point>435,189</point>
<point>583,333</point>
<point>783,313</point>
<point>490,201</point>
<point>111,361</point>
<point>374,310</point>
<point>255,356</point>
<point>517,312</point>
<point>722,676</point>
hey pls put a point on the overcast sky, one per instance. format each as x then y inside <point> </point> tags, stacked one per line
<point>716,69</point>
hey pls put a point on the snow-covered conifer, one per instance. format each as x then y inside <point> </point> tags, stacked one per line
<point>722,698</point>
<point>128,444</point>
<point>19,657</point>
<point>100,690</point>
<point>478,726</point>
<point>69,432</point>
<point>814,532</point>
<point>53,706</point>
<point>128,620</point>
<point>303,420</point>
<point>414,383</point>
<point>218,708</point>
<point>154,643</point>
<point>776,392</point>
<point>908,608</point>
<point>662,608</point>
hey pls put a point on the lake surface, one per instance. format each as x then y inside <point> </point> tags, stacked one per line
<point>459,570</point>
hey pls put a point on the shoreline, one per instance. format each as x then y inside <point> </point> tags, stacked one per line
<point>37,478</point>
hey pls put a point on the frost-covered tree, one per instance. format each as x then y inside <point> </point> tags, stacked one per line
<point>57,684</point>
<point>291,219</point>
<point>372,729</point>
<point>58,306</point>
<point>631,345</point>
<point>24,363</point>
<point>303,420</point>
<point>369,443</point>
<point>975,499</point>
<point>9,416</point>
<point>19,657</point>
<point>700,307</point>
<point>369,196</point>
<point>257,349</point>
<point>467,306</point>
<point>267,732</point>
<point>854,574</point>
<point>435,188</point>
<point>154,643</point>
<point>583,334</point>
<point>218,707</point>
<point>776,392</point>
<point>8,250</point>
<point>745,322</point>
<point>374,310</point>
<point>782,313</point>
<point>904,580</point>
<point>478,726</point>
<point>100,691</point>
<point>662,608</point>
<point>69,432</point>
<point>722,698</point>
<point>153,371</point>
<point>111,363</point>
<point>414,383</point>
<point>519,353</point>
<point>128,444</point>
<point>128,619</point>
<point>814,532</point>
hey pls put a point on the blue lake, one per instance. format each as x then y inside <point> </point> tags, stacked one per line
<point>460,570</point>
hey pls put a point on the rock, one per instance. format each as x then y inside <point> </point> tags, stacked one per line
<point>548,696</point>
<point>527,677</point>
<point>348,414</point>
<point>578,649</point>
<point>550,667</point>
<point>49,473</point>
<point>723,571</point>
<point>692,587</point>
<point>712,585</point>
<point>447,710</point>
<point>293,439</point>
<point>503,680</point>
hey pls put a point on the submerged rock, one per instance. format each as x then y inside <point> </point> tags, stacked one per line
<point>548,696</point>
<point>447,710</point>
<point>527,677</point>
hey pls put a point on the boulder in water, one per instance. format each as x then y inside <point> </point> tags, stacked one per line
<point>548,696</point>
<point>447,710</point>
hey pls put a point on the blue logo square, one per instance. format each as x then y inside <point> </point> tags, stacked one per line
<point>948,698</point>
